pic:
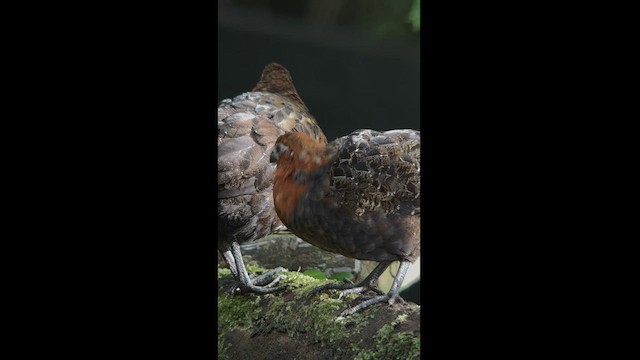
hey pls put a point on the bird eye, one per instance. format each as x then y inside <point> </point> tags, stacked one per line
<point>274,155</point>
<point>277,150</point>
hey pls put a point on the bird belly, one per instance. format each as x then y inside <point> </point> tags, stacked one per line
<point>370,236</point>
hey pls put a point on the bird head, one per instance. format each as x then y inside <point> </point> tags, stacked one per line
<point>298,157</point>
<point>299,150</point>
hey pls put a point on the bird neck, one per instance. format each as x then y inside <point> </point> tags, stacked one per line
<point>286,191</point>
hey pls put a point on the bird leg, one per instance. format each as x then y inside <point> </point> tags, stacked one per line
<point>235,261</point>
<point>369,283</point>
<point>391,296</point>
<point>258,280</point>
<point>263,278</point>
<point>228,257</point>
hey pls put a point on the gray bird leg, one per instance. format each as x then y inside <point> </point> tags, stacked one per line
<point>243,276</point>
<point>228,257</point>
<point>261,279</point>
<point>391,296</point>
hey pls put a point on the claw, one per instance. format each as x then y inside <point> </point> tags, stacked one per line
<point>261,279</point>
<point>362,305</point>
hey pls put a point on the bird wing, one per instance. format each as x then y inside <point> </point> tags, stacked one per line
<point>248,127</point>
<point>375,171</point>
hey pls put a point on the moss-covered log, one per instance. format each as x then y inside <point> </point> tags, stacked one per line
<point>292,324</point>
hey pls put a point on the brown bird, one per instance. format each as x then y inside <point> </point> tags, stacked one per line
<point>358,196</point>
<point>248,126</point>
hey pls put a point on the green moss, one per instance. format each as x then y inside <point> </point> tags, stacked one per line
<point>301,284</point>
<point>223,272</point>
<point>319,320</point>
<point>392,345</point>
<point>235,312</point>
<point>315,317</point>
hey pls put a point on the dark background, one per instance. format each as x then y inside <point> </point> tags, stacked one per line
<point>356,64</point>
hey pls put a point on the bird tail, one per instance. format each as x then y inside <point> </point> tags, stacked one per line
<point>276,79</point>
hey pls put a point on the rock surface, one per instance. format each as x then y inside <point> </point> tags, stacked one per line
<point>294,325</point>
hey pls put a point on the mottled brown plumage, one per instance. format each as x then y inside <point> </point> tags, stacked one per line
<point>358,196</point>
<point>248,126</point>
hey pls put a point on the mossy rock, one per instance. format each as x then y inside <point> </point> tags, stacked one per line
<point>293,324</point>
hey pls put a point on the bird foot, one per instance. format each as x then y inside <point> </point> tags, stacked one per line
<point>372,300</point>
<point>262,284</point>
<point>333,286</point>
<point>267,289</point>
<point>348,288</point>
<point>260,280</point>
<point>360,290</point>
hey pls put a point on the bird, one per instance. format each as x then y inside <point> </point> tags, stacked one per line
<point>358,196</point>
<point>248,127</point>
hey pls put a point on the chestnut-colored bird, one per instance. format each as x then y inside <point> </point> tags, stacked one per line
<point>248,126</point>
<point>358,196</point>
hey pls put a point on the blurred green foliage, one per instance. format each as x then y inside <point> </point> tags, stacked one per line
<point>414,15</point>
<point>342,275</point>
<point>388,19</point>
<point>316,274</point>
